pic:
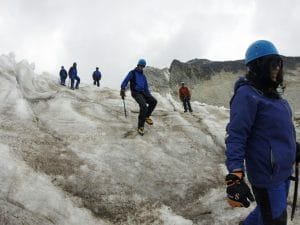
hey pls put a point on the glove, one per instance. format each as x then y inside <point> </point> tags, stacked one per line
<point>297,152</point>
<point>238,192</point>
<point>122,93</point>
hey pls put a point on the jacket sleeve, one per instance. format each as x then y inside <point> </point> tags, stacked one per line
<point>242,116</point>
<point>126,80</point>
<point>147,91</point>
<point>75,72</point>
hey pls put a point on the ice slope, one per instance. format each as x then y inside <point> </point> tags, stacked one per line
<point>71,157</point>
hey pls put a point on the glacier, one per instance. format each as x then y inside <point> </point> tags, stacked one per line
<point>72,158</point>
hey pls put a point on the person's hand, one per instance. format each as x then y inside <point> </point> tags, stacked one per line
<point>238,192</point>
<point>122,93</point>
<point>297,152</point>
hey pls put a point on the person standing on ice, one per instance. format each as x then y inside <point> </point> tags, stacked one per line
<point>140,92</point>
<point>261,134</point>
<point>97,77</point>
<point>63,76</point>
<point>73,76</point>
<point>185,97</point>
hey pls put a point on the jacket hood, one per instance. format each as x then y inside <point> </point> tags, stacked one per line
<point>239,83</point>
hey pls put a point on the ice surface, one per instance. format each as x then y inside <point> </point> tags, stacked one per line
<point>71,157</point>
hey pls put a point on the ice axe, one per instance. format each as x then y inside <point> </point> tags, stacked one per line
<point>125,112</point>
<point>296,179</point>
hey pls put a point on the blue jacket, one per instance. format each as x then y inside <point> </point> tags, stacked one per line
<point>72,72</point>
<point>63,73</point>
<point>97,75</point>
<point>138,82</point>
<point>261,132</point>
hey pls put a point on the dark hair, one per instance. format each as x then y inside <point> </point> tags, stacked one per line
<point>259,74</point>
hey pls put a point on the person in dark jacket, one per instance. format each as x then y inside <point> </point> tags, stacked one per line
<point>63,76</point>
<point>260,134</point>
<point>185,97</point>
<point>73,76</point>
<point>140,92</point>
<point>97,76</point>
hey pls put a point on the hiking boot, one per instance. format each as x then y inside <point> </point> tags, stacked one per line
<point>141,130</point>
<point>149,121</point>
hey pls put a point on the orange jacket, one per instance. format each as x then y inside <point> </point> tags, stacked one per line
<point>184,92</point>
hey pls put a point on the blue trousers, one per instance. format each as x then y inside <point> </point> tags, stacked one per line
<point>77,82</point>
<point>271,205</point>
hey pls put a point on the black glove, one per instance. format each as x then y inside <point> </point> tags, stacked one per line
<point>122,93</point>
<point>297,152</point>
<point>238,192</point>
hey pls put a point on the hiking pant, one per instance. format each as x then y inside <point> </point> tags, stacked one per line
<point>145,111</point>
<point>271,205</point>
<point>96,81</point>
<point>187,104</point>
<point>77,82</point>
<point>63,80</point>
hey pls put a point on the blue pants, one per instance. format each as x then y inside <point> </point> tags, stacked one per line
<point>271,205</point>
<point>63,80</point>
<point>77,82</point>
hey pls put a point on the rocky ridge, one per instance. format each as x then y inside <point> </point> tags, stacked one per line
<point>212,82</point>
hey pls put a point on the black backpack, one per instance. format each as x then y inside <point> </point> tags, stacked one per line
<point>133,81</point>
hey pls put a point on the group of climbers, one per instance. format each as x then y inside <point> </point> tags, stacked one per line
<point>261,139</point>
<point>73,76</point>
<point>140,92</point>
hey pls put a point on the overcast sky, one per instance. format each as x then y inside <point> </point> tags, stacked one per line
<point>114,34</point>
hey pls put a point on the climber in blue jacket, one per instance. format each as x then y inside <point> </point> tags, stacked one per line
<point>63,76</point>
<point>140,92</point>
<point>97,77</point>
<point>261,139</point>
<point>73,76</point>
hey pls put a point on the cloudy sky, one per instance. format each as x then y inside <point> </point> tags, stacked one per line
<point>114,34</point>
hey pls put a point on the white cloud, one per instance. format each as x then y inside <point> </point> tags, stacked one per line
<point>115,34</point>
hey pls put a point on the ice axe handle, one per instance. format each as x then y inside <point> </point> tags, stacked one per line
<point>125,112</point>
<point>296,179</point>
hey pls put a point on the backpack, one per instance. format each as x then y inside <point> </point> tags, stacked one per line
<point>133,80</point>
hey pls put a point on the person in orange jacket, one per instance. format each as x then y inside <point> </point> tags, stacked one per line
<point>185,97</point>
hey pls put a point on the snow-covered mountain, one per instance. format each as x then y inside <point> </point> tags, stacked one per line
<point>72,158</point>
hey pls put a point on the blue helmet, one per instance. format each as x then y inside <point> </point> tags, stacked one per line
<point>141,62</point>
<point>258,49</point>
